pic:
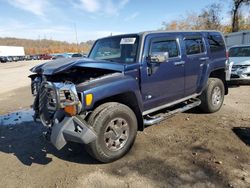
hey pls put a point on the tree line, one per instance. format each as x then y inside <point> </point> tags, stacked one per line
<point>210,18</point>
<point>46,46</point>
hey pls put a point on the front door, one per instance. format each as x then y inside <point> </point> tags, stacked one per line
<point>162,83</point>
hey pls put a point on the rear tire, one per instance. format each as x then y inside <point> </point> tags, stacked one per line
<point>116,128</point>
<point>213,96</point>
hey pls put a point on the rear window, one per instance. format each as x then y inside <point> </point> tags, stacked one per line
<point>239,51</point>
<point>216,43</point>
<point>194,46</point>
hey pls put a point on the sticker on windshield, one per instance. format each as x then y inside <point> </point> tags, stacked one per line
<point>127,40</point>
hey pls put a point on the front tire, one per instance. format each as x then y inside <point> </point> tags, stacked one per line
<point>116,128</point>
<point>213,96</point>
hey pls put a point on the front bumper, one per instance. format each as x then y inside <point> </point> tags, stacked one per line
<point>240,72</point>
<point>51,99</point>
<point>72,129</point>
<point>240,76</point>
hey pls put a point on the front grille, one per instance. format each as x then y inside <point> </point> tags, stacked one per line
<point>34,88</point>
<point>35,85</point>
<point>47,105</point>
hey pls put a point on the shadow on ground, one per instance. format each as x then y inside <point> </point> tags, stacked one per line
<point>243,133</point>
<point>167,174</point>
<point>28,144</point>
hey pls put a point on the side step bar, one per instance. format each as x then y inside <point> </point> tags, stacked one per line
<point>150,120</point>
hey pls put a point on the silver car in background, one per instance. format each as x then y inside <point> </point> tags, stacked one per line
<point>239,57</point>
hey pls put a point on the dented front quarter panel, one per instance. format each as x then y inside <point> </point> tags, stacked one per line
<point>111,85</point>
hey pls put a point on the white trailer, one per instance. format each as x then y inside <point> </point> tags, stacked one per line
<point>12,51</point>
<point>238,38</point>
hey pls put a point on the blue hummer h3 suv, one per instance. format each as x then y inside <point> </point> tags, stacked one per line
<point>126,83</point>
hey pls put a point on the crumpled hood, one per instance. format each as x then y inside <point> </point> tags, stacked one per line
<point>60,65</point>
<point>240,60</point>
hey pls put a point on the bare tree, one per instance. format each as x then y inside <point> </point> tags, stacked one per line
<point>186,22</point>
<point>235,13</point>
<point>208,19</point>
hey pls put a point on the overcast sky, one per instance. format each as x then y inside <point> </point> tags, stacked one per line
<point>56,19</point>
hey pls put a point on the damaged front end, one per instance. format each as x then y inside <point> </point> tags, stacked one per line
<point>240,72</point>
<point>58,107</point>
<point>58,104</point>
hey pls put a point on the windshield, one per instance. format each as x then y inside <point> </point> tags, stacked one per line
<point>121,49</point>
<point>240,51</point>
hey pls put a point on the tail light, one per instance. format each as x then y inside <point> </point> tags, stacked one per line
<point>227,55</point>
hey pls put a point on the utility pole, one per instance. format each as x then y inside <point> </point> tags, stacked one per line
<point>39,48</point>
<point>76,36</point>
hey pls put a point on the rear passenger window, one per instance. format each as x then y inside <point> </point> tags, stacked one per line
<point>194,46</point>
<point>169,46</point>
<point>216,42</point>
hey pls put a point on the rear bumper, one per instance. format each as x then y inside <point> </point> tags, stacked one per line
<point>72,129</point>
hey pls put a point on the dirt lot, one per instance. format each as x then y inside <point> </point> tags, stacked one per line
<point>15,85</point>
<point>188,150</point>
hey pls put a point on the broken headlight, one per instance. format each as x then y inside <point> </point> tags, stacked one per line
<point>64,95</point>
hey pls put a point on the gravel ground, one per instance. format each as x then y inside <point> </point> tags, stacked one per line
<point>189,150</point>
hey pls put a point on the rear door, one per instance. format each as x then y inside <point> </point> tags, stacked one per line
<point>195,58</point>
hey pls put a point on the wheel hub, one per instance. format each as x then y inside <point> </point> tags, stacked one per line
<point>116,134</point>
<point>216,96</point>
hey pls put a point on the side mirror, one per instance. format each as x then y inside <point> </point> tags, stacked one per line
<point>159,57</point>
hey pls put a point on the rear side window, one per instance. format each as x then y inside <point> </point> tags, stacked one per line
<point>169,46</point>
<point>216,42</point>
<point>239,51</point>
<point>194,46</point>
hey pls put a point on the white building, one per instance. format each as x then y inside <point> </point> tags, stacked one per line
<point>238,38</point>
<point>12,51</point>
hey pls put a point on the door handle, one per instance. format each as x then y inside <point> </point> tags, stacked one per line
<point>204,58</point>
<point>179,63</point>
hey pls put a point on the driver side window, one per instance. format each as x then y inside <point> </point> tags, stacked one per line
<point>169,46</point>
